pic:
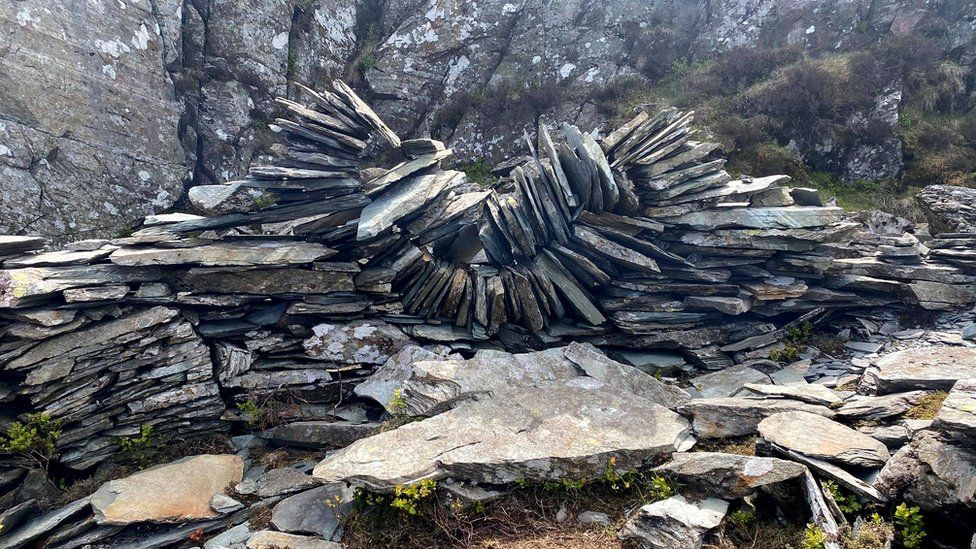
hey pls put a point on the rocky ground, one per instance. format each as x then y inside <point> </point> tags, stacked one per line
<point>886,416</point>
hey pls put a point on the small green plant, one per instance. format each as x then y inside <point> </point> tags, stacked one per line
<point>659,488</point>
<point>263,200</point>
<point>788,354</point>
<point>141,449</point>
<point>397,404</point>
<point>619,481</point>
<point>407,497</point>
<point>799,334</point>
<point>910,525</point>
<point>814,538</point>
<point>252,412</point>
<point>480,172</point>
<point>847,502</point>
<point>659,374</point>
<point>35,439</point>
<point>742,517</point>
<point>367,61</point>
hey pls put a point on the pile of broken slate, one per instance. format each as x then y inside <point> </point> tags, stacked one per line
<point>610,299</point>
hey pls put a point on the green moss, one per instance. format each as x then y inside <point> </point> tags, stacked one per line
<point>928,405</point>
<point>480,172</point>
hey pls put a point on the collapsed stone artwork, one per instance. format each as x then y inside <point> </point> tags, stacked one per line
<point>311,275</point>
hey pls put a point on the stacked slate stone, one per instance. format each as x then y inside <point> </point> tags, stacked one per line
<point>88,345</point>
<point>636,242</point>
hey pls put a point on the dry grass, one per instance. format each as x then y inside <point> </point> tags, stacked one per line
<point>743,446</point>
<point>525,519</point>
<point>928,406</point>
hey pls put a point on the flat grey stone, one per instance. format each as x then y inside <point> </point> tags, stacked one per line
<point>734,417</point>
<point>314,511</point>
<point>727,382</point>
<point>818,437</point>
<point>928,368</point>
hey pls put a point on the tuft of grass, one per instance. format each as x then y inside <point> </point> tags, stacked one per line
<point>480,172</point>
<point>928,406</point>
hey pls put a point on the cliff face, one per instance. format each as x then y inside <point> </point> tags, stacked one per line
<point>108,109</point>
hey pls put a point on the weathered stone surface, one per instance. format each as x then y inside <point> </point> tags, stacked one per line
<point>932,473</point>
<point>728,476</point>
<point>43,524</point>
<point>319,435</point>
<point>733,417</point>
<point>727,382</point>
<point>68,100</point>
<point>433,386</point>
<point>268,281</point>
<point>314,511</point>
<point>174,492</point>
<point>949,208</point>
<point>360,342</point>
<point>818,437</point>
<point>674,522</point>
<point>404,199</point>
<point>929,368</point>
<point>269,539</point>
<point>225,254</point>
<point>812,393</point>
<point>390,376</point>
<point>957,415</point>
<point>283,480</point>
<point>558,429</point>
<point>879,407</point>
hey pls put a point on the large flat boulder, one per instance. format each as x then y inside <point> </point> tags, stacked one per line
<point>929,368</point>
<point>174,492</point>
<point>818,437</point>
<point>729,476</point>
<point>429,387</point>
<point>552,430</point>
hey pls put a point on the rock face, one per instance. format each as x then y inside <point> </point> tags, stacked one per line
<point>553,430</point>
<point>950,209</point>
<point>73,165</point>
<point>818,437</point>
<point>674,522</point>
<point>207,77</point>
<point>175,492</point>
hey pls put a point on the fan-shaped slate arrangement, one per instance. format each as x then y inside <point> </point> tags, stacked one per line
<point>641,232</point>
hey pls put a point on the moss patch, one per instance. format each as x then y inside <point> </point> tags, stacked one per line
<point>928,406</point>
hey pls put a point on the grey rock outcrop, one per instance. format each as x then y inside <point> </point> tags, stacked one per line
<point>950,209</point>
<point>78,156</point>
